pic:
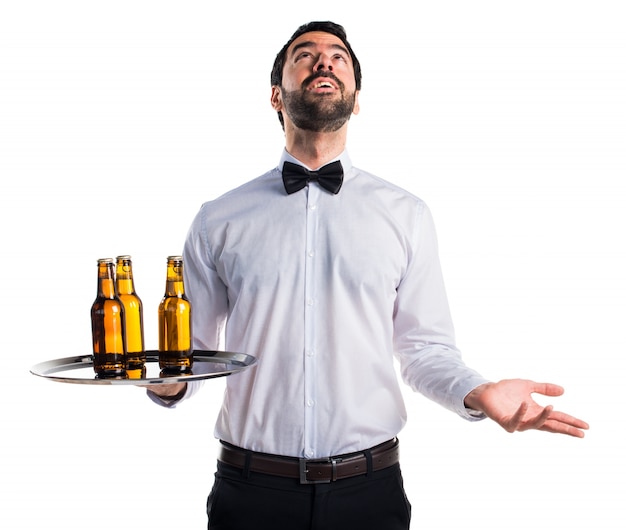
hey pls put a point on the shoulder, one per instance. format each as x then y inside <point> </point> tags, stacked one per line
<point>377,188</point>
<point>268,183</point>
<point>254,193</point>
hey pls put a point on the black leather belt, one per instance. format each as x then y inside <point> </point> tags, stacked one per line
<point>311,471</point>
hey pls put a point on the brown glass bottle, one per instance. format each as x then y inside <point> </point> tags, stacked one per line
<point>133,313</point>
<point>175,334</point>
<point>107,325</point>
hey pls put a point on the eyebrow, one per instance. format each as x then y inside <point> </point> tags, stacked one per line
<point>307,44</point>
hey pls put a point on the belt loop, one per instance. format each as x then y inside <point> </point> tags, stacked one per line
<point>370,466</point>
<point>245,472</point>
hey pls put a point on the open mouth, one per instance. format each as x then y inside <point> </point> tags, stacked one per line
<point>323,84</point>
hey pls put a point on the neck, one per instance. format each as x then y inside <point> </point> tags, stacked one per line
<point>314,148</point>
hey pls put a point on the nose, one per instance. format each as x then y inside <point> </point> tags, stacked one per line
<point>323,63</point>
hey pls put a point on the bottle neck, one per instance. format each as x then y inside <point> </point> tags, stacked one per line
<point>106,282</point>
<point>125,286</point>
<point>174,288</point>
<point>124,277</point>
<point>174,285</point>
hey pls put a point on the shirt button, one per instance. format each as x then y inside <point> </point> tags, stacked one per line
<point>312,206</point>
<point>310,353</point>
<point>310,403</point>
<point>309,453</point>
<point>311,253</point>
<point>310,301</point>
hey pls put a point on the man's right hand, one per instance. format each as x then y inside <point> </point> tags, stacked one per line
<point>168,390</point>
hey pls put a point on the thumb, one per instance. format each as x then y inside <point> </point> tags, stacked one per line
<point>548,389</point>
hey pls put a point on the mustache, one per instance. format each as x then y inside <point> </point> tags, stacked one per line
<point>324,73</point>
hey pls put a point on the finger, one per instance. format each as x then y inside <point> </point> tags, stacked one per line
<point>562,423</point>
<point>562,428</point>
<point>548,389</point>
<point>566,419</point>
<point>538,421</point>
<point>513,423</point>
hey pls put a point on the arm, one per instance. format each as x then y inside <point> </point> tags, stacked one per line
<point>510,404</point>
<point>209,302</point>
<point>432,365</point>
<point>424,341</point>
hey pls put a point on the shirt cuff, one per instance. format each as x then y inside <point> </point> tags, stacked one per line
<point>475,414</point>
<point>466,412</point>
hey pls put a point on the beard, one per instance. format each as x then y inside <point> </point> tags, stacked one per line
<point>319,112</point>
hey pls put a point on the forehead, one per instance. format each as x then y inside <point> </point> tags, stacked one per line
<point>317,39</point>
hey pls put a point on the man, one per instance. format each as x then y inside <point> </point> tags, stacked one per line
<point>324,276</point>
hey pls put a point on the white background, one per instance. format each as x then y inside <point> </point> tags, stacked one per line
<point>118,119</point>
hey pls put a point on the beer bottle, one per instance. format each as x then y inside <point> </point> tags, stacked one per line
<point>107,325</point>
<point>133,312</point>
<point>175,334</point>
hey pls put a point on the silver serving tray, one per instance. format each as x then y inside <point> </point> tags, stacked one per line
<point>207,364</point>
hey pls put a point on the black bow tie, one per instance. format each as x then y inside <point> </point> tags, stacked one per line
<point>296,177</point>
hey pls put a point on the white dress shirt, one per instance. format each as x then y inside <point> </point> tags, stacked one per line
<point>324,290</point>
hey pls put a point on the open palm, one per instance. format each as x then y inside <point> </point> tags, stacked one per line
<point>510,404</point>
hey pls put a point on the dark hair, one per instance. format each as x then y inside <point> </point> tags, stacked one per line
<point>337,30</point>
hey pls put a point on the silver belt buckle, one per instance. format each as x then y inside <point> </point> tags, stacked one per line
<point>303,462</point>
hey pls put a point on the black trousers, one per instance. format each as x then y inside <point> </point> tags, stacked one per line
<point>247,501</point>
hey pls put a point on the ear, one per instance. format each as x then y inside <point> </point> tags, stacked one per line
<point>276,99</point>
<point>356,108</point>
